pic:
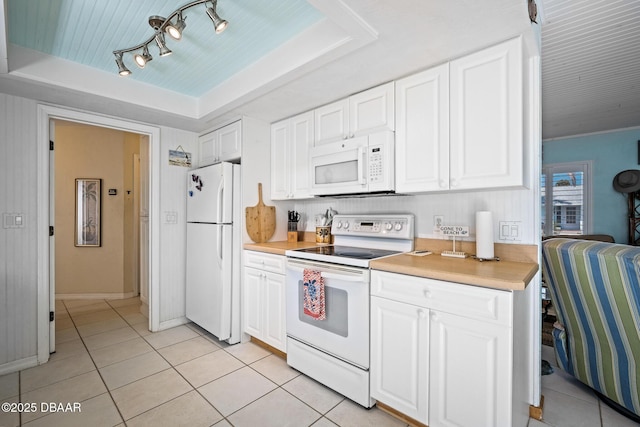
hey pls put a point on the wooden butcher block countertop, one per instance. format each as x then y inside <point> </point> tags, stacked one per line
<point>278,248</point>
<point>512,273</point>
<point>506,275</point>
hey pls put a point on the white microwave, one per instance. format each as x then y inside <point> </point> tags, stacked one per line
<point>364,164</point>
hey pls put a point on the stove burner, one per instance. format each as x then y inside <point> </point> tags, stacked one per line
<point>348,252</point>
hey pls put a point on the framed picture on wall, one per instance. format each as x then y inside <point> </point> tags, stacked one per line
<point>88,222</point>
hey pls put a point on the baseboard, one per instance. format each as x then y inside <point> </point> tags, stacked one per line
<point>18,365</point>
<point>399,415</point>
<point>108,295</point>
<point>535,412</point>
<point>172,323</point>
<point>267,347</point>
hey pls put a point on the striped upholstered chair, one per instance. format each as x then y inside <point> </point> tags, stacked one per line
<point>595,288</point>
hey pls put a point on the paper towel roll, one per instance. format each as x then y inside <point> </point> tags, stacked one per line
<point>484,235</point>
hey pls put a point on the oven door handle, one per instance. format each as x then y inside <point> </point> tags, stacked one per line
<point>339,276</point>
<point>344,277</point>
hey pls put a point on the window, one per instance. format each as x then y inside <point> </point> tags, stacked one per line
<point>566,195</point>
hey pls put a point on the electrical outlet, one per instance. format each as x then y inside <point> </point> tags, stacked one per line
<point>438,221</point>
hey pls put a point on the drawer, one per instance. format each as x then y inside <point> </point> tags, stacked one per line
<point>464,300</point>
<point>264,261</point>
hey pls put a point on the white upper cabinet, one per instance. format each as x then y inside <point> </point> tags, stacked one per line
<point>486,145</point>
<point>422,131</point>
<point>460,125</point>
<point>360,114</point>
<point>224,144</point>
<point>290,143</point>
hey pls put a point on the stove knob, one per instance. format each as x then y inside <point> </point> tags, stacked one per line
<point>346,225</point>
<point>339,225</point>
<point>388,226</point>
<point>398,226</point>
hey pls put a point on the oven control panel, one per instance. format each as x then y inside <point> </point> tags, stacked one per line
<point>383,226</point>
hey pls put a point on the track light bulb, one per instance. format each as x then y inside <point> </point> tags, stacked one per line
<point>143,58</point>
<point>122,69</point>
<point>164,50</point>
<point>175,31</point>
<point>218,23</point>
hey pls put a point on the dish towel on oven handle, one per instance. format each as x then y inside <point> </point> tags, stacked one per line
<point>313,304</point>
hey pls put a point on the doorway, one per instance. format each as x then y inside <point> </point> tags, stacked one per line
<point>107,266</point>
<point>46,260</point>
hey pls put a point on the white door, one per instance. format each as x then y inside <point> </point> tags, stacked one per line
<point>301,142</point>
<point>52,240</point>
<point>208,296</point>
<point>422,131</point>
<point>280,160</point>
<point>332,122</point>
<point>229,141</point>
<point>274,311</point>
<point>470,373</point>
<point>210,194</point>
<point>400,356</point>
<point>372,110</point>
<point>252,302</point>
<point>486,144</point>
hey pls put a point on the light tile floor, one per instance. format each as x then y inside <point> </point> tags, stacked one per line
<point>122,374</point>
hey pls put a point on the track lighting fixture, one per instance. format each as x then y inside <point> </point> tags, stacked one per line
<point>161,26</point>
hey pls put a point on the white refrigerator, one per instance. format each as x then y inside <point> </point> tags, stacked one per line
<point>213,250</point>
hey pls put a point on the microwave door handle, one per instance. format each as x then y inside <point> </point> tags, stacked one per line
<point>362,179</point>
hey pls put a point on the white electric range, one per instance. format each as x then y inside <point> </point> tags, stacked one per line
<point>335,350</point>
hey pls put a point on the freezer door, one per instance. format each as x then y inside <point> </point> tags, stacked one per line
<point>209,277</point>
<point>210,194</point>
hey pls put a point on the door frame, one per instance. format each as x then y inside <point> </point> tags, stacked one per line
<point>46,283</point>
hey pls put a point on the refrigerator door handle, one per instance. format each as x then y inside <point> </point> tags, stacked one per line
<point>220,202</point>
<point>219,245</point>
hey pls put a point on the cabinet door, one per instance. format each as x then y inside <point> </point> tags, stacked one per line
<point>470,372</point>
<point>486,144</point>
<point>253,302</point>
<point>280,155</point>
<point>332,122</point>
<point>422,131</point>
<point>399,356</point>
<point>372,110</point>
<point>302,140</point>
<point>208,144</point>
<point>274,332</point>
<point>230,142</point>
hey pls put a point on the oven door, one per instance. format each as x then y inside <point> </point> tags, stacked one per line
<point>345,331</point>
<point>339,168</point>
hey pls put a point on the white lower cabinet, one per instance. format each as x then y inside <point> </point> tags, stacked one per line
<point>470,366</point>
<point>400,356</point>
<point>264,298</point>
<point>442,352</point>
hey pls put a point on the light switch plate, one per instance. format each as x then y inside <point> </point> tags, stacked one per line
<point>510,230</point>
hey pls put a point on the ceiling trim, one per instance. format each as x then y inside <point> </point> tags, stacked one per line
<point>341,32</point>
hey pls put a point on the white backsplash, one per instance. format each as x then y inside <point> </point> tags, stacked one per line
<point>457,208</point>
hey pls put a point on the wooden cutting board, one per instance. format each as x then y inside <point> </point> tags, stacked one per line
<point>260,219</point>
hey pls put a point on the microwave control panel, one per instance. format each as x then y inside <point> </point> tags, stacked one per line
<point>376,164</point>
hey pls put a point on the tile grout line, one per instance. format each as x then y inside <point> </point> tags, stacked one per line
<point>96,366</point>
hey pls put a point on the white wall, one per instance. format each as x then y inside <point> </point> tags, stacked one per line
<point>19,246</point>
<point>173,236</point>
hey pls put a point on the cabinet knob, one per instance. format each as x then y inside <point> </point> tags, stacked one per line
<point>421,314</point>
<point>454,183</point>
<point>426,293</point>
<point>443,183</point>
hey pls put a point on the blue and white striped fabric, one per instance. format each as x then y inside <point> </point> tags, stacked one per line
<point>595,288</point>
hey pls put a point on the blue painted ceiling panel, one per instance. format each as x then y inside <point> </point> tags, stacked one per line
<point>87,32</point>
